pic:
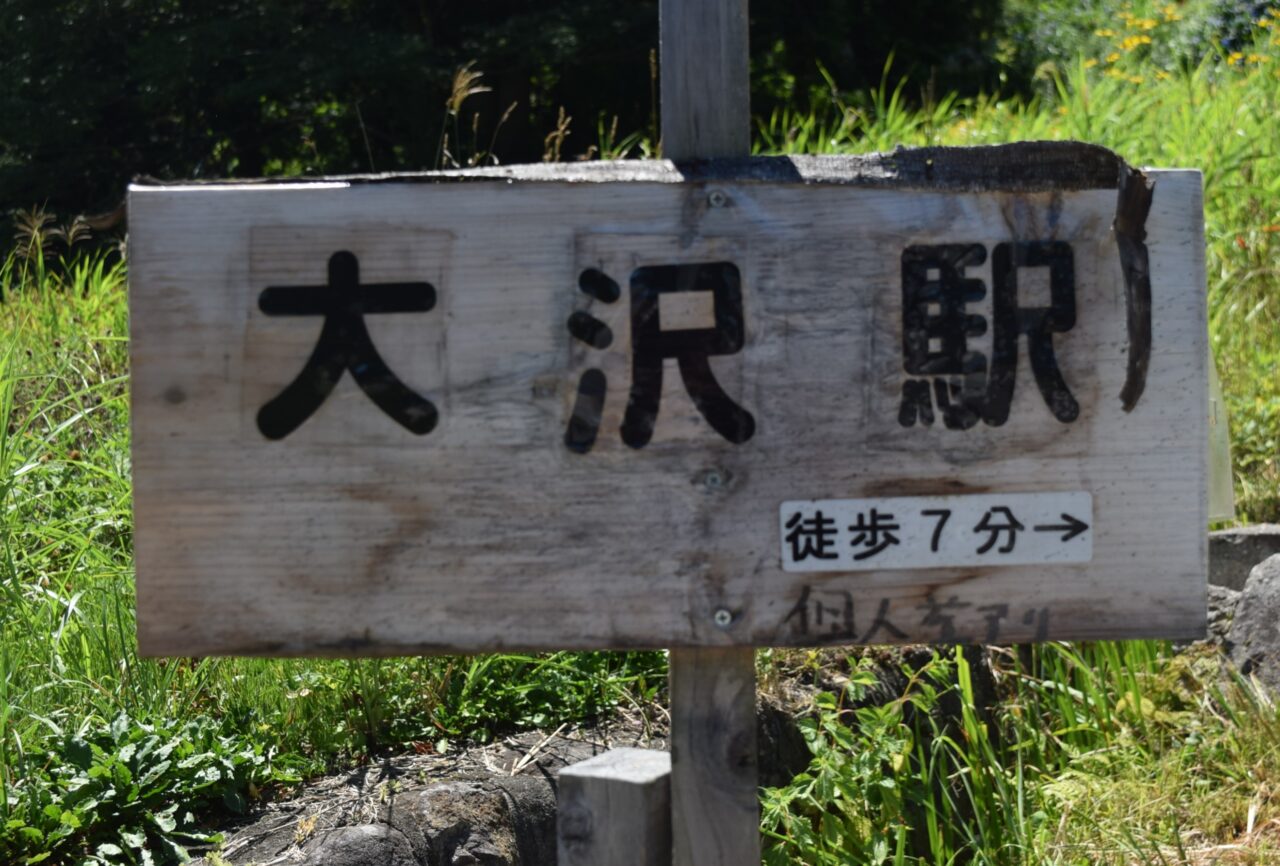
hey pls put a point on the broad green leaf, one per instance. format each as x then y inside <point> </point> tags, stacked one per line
<point>165,821</point>
<point>154,773</point>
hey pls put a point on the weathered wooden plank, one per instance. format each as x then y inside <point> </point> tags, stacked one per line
<point>714,804</point>
<point>355,535</point>
<point>615,810</point>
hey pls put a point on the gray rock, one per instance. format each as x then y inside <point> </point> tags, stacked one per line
<point>1222,604</point>
<point>363,845</point>
<point>781,750</point>
<point>489,822</point>
<point>1234,552</point>
<point>1222,612</point>
<point>1254,636</point>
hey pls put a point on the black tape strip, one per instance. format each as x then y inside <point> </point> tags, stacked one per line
<point>1133,204</point>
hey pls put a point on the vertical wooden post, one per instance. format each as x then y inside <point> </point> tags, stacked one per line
<point>715,806</point>
<point>706,112</point>
<point>706,97</point>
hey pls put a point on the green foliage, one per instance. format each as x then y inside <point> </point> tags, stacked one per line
<point>1102,753</point>
<point>319,711</point>
<point>127,792</point>
<point>1051,35</point>
<point>848,806</point>
<point>98,92</point>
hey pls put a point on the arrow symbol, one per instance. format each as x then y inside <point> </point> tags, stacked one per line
<point>1069,530</point>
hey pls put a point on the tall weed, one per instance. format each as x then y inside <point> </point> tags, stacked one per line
<point>1101,753</point>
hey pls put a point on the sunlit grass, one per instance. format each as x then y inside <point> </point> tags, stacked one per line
<point>1108,753</point>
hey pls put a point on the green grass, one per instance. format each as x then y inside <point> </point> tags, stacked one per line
<point>1107,753</point>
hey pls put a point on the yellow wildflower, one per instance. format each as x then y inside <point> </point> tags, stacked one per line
<point>1104,32</point>
<point>1062,109</point>
<point>1135,79</point>
<point>1146,23</point>
<point>1171,13</point>
<point>1161,75</point>
<point>1264,23</point>
<point>1090,63</point>
<point>1235,57</point>
<point>1255,58</point>
<point>1113,57</point>
<point>1132,42</point>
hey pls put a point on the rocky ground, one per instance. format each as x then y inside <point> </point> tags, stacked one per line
<point>490,805</point>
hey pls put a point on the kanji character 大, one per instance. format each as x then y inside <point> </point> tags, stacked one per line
<point>345,346</point>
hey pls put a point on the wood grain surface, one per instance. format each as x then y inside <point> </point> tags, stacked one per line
<point>706,99</point>
<point>615,809</point>
<point>715,804</point>
<point>352,535</point>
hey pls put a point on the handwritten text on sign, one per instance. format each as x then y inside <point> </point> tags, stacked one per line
<point>936,531</point>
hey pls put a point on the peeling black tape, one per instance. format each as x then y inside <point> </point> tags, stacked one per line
<point>1029,166</point>
<point>1133,204</point>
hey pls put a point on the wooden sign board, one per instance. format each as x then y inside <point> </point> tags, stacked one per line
<point>944,395</point>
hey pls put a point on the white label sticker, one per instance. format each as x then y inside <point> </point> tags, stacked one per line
<point>936,531</point>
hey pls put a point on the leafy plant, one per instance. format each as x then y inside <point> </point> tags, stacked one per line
<point>847,807</point>
<point>127,792</point>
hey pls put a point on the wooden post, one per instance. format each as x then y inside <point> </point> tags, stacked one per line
<point>615,810</point>
<point>706,98</point>
<point>715,807</point>
<point>715,821</point>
